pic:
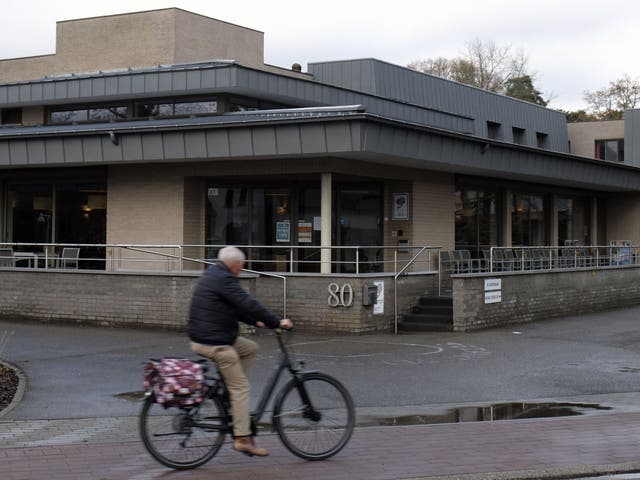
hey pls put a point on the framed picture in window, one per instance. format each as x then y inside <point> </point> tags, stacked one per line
<point>400,206</point>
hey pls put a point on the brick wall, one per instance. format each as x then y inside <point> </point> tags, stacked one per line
<point>164,36</point>
<point>157,300</point>
<point>533,297</point>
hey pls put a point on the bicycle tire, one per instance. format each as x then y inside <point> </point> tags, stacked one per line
<point>179,438</point>
<point>321,430</point>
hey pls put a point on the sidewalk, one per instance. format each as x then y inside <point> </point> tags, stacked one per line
<point>552,448</point>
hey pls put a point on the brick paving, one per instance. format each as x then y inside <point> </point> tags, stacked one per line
<point>109,449</point>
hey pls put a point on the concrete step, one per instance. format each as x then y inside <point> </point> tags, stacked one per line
<point>433,309</point>
<point>432,318</point>
<point>424,327</point>
<point>435,300</point>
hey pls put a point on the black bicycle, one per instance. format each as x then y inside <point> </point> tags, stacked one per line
<point>313,415</point>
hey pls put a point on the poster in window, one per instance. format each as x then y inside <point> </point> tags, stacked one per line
<point>400,207</point>
<point>305,232</point>
<point>283,232</point>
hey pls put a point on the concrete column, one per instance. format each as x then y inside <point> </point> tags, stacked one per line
<point>325,213</point>
<point>3,227</point>
<point>594,222</point>
<point>506,218</point>
<point>553,228</point>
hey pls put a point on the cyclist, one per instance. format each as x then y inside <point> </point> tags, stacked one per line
<point>218,304</point>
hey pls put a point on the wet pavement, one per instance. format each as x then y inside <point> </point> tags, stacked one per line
<point>556,399</point>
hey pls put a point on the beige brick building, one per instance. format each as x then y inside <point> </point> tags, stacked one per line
<point>166,127</point>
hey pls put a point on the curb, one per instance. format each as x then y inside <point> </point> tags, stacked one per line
<point>22,386</point>
<point>560,473</point>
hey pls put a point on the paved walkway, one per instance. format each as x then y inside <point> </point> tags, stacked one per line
<point>109,449</point>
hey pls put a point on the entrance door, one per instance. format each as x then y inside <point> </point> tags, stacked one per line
<point>359,214</point>
<point>272,227</point>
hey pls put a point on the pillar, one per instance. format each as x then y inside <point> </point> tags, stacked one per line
<point>506,218</point>
<point>553,228</point>
<point>594,223</point>
<point>325,214</point>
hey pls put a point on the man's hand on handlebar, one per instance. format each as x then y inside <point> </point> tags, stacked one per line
<point>286,324</point>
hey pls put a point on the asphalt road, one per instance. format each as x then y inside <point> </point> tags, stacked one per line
<point>77,371</point>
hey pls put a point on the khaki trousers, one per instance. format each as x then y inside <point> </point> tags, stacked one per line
<point>233,362</point>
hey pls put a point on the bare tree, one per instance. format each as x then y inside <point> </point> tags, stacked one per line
<point>610,102</point>
<point>483,64</point>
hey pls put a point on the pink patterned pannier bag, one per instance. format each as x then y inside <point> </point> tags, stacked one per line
<point>175,381</point>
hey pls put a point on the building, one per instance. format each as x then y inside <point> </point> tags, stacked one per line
<point>166,127</point>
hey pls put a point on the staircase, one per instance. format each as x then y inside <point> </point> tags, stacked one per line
<point>431,314</point>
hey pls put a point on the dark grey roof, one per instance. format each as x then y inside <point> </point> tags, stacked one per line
<point>235,118</point>
<point>343,132</point>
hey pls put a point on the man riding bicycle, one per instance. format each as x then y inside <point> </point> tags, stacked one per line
<point>218,304</point>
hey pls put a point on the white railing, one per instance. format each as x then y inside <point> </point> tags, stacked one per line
<point>503,259</point>
<point>177,258</point>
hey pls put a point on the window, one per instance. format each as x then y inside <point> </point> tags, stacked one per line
<point>476,221</point>
<point>528,220</point>
<point>98,113</point>
<point>542,140</point>
<point>519,135</point>
<point>612,150</point>
<point>574,221</point>
<point>176,108</point>
<point>11,116</point>
<point>243,104</point>
<point>494,130</point>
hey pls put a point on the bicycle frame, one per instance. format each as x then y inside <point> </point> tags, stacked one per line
<point>285,363</point>
<point>267,392</point>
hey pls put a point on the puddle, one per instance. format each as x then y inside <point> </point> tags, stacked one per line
<point>491,413</point>
<point>132,396</point>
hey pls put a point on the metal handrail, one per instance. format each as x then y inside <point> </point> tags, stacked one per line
<point>586,256</point>
<point>395,283</point>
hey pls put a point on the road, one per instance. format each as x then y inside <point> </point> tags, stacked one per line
<point>78,371</point>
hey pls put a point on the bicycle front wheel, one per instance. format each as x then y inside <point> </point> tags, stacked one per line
<point>183,438</point>
<point>314,416</point>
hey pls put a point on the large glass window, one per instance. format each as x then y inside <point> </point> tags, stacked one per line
<point>11,116</point>
<point>279,217</point>
<point>99,113</point>
<point>612,150</point>
<point>59,213</point>
<point>176,108</point>
<point>30,213</point>
<point>528,220</point>
<point>476,220</point>
<point>574,221</point>
<point>358,220</point>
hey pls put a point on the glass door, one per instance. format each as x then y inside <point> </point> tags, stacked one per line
<point>227,218</point>
<point>359,213</point>
<point>272,227</point>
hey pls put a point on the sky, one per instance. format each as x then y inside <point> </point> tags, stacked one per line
<point>573,46</point>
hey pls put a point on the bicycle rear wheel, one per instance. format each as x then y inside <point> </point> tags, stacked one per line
<point>183,438</point>
<point>320,427</point>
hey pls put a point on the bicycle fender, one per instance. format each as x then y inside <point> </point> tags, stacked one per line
<point>283,390</point>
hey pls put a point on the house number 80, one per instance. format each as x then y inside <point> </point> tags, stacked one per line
<point>340,296</point>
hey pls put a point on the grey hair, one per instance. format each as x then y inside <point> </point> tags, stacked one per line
<point>229,255</point>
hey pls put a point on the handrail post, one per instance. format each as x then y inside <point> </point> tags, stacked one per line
<point>491,259</point>
<point>395,286</point>
<point>357,260</point>
<point>290,259</point>
<point>181,264</point>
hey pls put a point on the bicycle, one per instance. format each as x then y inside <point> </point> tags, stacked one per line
<point>313,415</point>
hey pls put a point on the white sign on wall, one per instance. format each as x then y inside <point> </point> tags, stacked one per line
<point>378,308</point>
<point>492,284</point>
<point>494,296</point>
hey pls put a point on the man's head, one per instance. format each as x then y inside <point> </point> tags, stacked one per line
<point>233,258</point>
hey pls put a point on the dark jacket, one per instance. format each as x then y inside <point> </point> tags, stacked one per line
<point>219,303</point>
